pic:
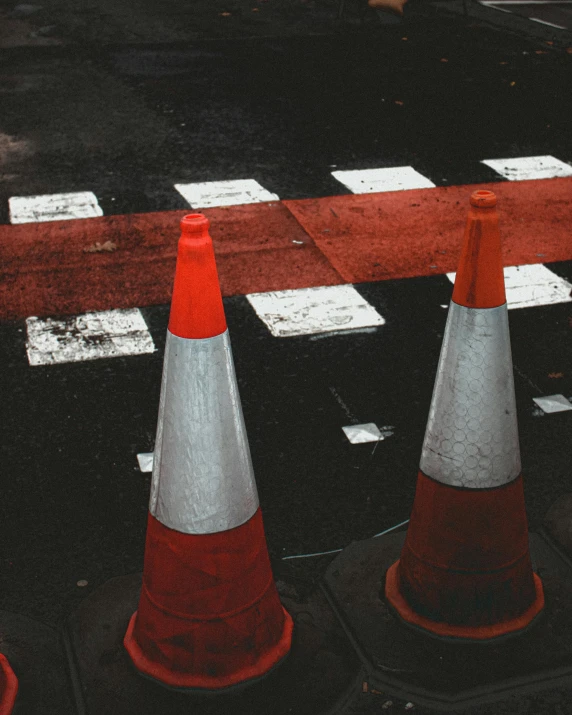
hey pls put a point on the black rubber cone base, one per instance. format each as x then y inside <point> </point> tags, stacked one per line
<point>320,674</point>
<point>443,675</point>
<point>36,656</point>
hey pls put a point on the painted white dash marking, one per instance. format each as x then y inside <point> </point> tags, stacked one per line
<point>224,193</point>
<point>145,460</point>
<point>497,7</point>
<point>550,24</point>
<point>368,432</point>
<point>314,310</point>
<point>53,207</point>
<point>529,167</point>
<point>525,2</point>
<point>369,181</point>
<point>553,403</point>
<point>532,285</point>
<point>92,336</point>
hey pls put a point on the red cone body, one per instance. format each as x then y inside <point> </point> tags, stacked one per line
<point>8,687</point>
<point>209,615</point>
<point>465,569</point>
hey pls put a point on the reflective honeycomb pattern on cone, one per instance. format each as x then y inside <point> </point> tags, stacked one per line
<point>8,686</point>
<point>465,570</point>
<point>471,438</point>
<point>209,615</point>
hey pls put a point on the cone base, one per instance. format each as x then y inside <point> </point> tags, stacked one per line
<point>8,687</point>
<point>194,683</point>
<point>450,674</point>
<point>445,631</point>
<point>318,672</point>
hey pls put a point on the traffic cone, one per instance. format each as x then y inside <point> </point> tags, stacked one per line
<point>8,686</point>
<point>465,569</point>
<point>209,615</point>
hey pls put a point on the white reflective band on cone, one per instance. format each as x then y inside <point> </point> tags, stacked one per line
<point>471,438</point>
<point>203,480</point>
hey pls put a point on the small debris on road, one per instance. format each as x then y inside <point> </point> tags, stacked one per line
<point>97,247</point>
<point>82,583</point>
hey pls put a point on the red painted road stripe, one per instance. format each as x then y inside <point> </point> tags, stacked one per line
<point>47,269</point>
<point>419,233</point>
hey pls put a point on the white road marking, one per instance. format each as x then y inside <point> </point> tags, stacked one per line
<point>550,24</point>
<point>92,336</point>
<point>369,181</point>
<point>529,167</point>
<point>53,207</point>
<point>368,432</point>
<point>145,460</point>
<point>553,403</point>
<point>314,310</point>
<point>525,2</point>
<point>532,285</point>
<point>224,193</point>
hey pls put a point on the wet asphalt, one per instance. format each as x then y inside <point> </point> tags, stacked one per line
<point>75,501</point>
<point>127,119</point>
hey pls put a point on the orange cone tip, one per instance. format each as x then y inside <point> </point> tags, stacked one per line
<point>480,280</point>
<point>465,570</point>
<point>196,306</point>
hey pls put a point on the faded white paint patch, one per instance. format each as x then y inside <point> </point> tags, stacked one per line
<point>529,167</point>
<point>92,336</point>
<point>54,207</point>
<point>369,181</point>
<point>529,286</point>
<point>12,148</point>
<point>368,432</point>
<point>145,460</point>
<point>314,310</point>
<point>553,403</point>
<point>224,193</point>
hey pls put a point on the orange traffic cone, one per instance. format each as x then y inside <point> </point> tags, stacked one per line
<point>465,569</point>
<point>8,686</point>
<point>209,614</point>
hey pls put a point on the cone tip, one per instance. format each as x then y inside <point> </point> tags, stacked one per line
<point>196,305</point>
<point>483,199</point>
<point>193,224</point>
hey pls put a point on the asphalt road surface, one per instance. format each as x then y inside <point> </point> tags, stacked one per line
<point>126,104</point>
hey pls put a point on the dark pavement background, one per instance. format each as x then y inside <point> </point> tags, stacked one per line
<point>127,101</point>
<point>75,502</point>
<point>438,91</point>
